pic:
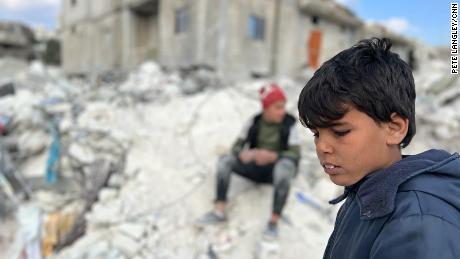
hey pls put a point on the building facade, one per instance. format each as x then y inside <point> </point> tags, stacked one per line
<point>237,38</point>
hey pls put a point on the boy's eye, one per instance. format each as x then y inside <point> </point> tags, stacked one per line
<point>341,133</point>
<point>315,133</point>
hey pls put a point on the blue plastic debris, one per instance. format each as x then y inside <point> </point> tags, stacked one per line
<point>52,165</point>
<point>301,197</point>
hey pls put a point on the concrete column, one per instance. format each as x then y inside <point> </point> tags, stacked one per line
<point>202,26</point>
<point>222,42</point>
<point>127,38</point>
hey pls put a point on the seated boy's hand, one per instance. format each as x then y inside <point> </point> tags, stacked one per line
<point>265,157</point>
<point>247,156</point>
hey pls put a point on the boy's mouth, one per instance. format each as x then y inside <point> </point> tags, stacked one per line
<point>330,169</point>
<point>329,166</point>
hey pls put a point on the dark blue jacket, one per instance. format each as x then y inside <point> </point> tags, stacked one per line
<point>410,210</point>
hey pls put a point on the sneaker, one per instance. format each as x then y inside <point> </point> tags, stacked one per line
<point>271,231</point>
<point>211,218</point>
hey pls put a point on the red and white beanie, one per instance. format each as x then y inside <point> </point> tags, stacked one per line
<point>270,94</point>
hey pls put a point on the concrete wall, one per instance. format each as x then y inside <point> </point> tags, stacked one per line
<point>72,14</point>
<point>178,49</point>
<point>15,34</point>
<point>99,35</point>
<point>291,42</point>
<point>140,40</point>
<point>217,36</point>
<point>91,36</point>
<point>336,37</point>
<point>224,41</point>
<point>16,40</point>
<point>293,51</point>
<point>247,55</point>
<point>105,34</point>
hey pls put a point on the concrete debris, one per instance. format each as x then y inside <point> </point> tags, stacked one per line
<point>267,250</point>
<point>198,78</point>
<point>127,245</point>
<point>6,88</point>
<point>137,154</point>
<point>10,67</point>
<point>28,241</point>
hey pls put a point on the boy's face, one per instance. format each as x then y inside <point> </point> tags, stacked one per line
<point>355,146</point>
<point>275,112</point>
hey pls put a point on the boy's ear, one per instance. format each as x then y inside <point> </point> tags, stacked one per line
<point>397,129</point>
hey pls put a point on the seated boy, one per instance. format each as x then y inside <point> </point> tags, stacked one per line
<point>360,107</point>
<point>271,157</point>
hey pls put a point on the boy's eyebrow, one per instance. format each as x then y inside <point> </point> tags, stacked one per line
<point>339,123</point>
<point>331,124</point>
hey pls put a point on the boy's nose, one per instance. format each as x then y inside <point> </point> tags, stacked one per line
<point>323,146</point>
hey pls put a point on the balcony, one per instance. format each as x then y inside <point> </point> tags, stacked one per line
<point>145,7</point>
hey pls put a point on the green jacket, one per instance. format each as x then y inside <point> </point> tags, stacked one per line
<point>281,137</point>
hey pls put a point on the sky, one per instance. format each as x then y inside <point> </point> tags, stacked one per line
<point>428,20</point>
<point>37,13</point>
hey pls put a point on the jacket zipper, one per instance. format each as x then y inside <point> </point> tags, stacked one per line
<point>340,216</point>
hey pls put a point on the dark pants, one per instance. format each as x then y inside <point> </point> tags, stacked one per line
<point>279,174</point>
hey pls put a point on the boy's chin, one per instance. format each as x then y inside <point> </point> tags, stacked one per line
<point>342,180</point>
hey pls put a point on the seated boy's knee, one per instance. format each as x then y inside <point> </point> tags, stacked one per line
<point>284,170</point>
<point>226,161</point>
<point>227,158</point>
<point>285,164</point>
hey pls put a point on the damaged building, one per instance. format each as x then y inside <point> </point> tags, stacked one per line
<point>236,38</point>
<point>16,40</point>
<point>23,43</point>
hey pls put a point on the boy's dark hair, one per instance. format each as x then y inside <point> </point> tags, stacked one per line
<point>370,77</point>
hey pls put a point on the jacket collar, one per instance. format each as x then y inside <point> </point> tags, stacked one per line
<point>376,193</point>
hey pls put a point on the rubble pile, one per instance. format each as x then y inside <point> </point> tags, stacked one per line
<point>438,100</point>
<point>123,168</point>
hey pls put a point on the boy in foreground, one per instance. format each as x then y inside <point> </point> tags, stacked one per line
<point>360,106</point>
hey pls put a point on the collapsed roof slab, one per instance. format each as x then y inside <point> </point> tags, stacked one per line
<point>330,10</point>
